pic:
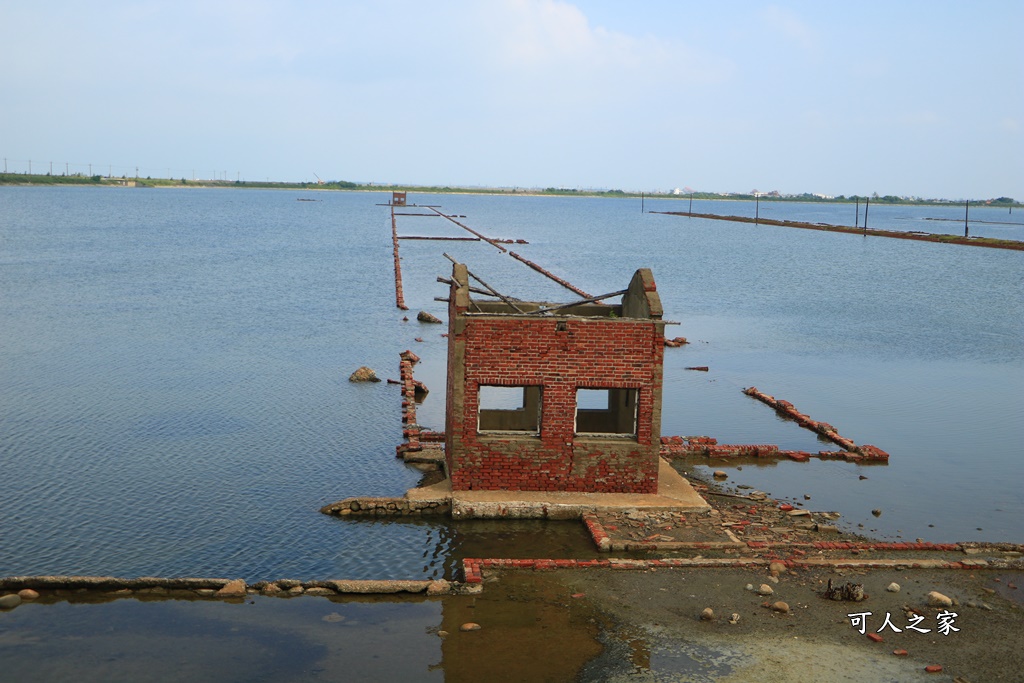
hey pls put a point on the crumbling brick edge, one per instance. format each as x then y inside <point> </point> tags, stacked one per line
<point>787,409</point>
<point>399,294</point>
<point>604,543</point>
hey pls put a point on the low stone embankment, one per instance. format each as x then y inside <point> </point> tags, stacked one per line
<point>874,232</point>
<point>21,589</point>
<point>386,507</point>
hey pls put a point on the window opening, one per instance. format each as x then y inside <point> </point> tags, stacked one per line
<point>606,411</point>
<point>509,409</point>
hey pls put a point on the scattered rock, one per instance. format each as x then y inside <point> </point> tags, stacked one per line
<point>749,586</point>
<point>807,496</point>
<point>777,568</point>
<point>876,512</point>
<point>425,317</point>
<point>900,653</point>
<point>734,619</point>
<point>10,601</point>
<point>798,513</point>
<point>893,587</point>
<point>719,474</point>
<point>270,589</point>
<point>933,668</point>
<point>765,589</point>
<point>363,374</point>
<point>707,614</point>
<point>850,592</point>
<point>577,595</point>
<point>470,626</point>
<point>781,607</point>
<point>875,637</point>
<point>409,356</point>
<point>232,589</point>
<point>442,634</point>
<point>936,599</point>
<point>333,618</point>
<point>27,594</point>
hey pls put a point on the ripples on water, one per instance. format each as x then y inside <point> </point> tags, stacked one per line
<point>173,371</point>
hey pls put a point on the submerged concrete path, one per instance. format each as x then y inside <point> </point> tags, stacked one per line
<point>990,242</point>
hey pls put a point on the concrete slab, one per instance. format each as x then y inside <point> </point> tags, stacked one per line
<point>674,494</point>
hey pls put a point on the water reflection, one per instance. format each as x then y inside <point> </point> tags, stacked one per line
<point>530,630</point>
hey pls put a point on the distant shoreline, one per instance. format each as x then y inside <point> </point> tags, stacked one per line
<point>25,179</point>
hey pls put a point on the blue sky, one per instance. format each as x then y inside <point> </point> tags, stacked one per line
<point>905,98</point>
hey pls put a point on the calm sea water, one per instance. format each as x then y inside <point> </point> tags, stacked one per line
<point>173,370</point>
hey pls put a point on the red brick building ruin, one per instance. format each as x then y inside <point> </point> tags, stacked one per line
<point>567,399</point>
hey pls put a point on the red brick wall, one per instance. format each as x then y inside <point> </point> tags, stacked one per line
<point>590,352</point>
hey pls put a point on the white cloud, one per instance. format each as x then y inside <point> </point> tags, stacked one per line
<point>557,39</point>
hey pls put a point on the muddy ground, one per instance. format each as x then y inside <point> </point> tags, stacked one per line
<point>544,625</point>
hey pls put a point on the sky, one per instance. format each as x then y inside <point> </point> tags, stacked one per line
<point>896,97</point>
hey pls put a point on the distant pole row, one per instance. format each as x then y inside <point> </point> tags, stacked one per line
<point>166,172</point>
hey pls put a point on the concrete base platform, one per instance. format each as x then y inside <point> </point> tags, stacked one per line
<point>674,494</point>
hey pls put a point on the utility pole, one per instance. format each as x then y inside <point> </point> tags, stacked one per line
<point>867,203</point>
<point>757,209</point>
<point>691,204</point>
<point>856,220</point>
<point>967,211</point>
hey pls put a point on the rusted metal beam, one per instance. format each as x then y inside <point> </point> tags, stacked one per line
<point>475,290</point>
<point>469,229</point>
<point>572,288</point>
<point>492,289</point>
<point>442,239</point>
